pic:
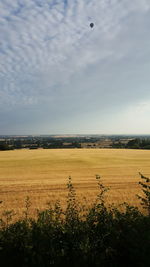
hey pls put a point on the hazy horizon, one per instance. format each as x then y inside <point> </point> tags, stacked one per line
<point>74,134</point>
<point>60,76</point>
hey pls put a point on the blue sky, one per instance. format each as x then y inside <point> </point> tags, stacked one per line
<point>57,75</point>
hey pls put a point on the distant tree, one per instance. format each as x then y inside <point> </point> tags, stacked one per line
<point>135,143</point>
<point>18,144</point>
<point>4,146</point>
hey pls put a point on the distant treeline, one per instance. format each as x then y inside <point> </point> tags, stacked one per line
<point>136,143</point>
<point>51,143</point>
<point>46,143</point>
<point>39,143</point>
<point>139,143</point>
<point>78,236</point>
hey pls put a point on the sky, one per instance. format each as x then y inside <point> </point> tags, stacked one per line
<point>59,75</point>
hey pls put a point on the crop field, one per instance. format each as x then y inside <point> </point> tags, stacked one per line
<point>43,174</point>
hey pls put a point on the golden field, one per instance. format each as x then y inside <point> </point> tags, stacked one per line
<point>43,174</point>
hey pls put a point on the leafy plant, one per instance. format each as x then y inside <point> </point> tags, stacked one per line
<point>27,207</point>
<point>71,213</point>
<point>8,215</point>
<point>102,190</point>
<point>145,200</point>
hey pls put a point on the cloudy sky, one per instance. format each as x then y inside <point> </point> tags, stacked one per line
<point>58,75</point>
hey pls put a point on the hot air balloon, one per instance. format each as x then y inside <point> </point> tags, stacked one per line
<point>92,25</point>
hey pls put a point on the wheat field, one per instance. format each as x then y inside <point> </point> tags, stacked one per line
<point>43,174</point>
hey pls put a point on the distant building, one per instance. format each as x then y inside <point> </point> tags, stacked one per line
<point>123,141</point>
<point>67,144</point>
<point>106,143</point>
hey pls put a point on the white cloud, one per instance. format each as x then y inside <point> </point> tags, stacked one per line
<point>45,45</point>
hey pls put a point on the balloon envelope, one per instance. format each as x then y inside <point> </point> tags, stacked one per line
<point>91,25</point>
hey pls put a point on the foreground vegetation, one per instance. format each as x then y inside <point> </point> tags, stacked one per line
<point>79,236</point>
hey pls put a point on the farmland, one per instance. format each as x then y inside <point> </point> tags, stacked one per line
<point>42,175</point>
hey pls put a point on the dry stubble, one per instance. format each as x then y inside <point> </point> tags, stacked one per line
<point>42,175</point>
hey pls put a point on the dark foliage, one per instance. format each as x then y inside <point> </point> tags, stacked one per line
<point>97,236</point>
<point>139,143</point>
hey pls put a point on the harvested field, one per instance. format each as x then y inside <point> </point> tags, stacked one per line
<point>43,174</point>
